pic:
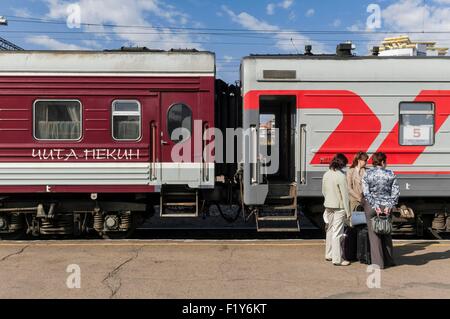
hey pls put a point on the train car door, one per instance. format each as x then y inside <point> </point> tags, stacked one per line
<point>151,125</point>
<point>271,135</point>
<point>179,158</point>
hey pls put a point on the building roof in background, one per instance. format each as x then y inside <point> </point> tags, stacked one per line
<point>404,42</point>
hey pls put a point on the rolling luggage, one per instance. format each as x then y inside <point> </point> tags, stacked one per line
<point>349,244</point>
<point>363,246</point>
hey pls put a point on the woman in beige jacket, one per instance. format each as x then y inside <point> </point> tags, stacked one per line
<point>337,208</point>
<point>354,180</point>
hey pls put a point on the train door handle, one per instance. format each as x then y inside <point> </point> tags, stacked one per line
<point>164,142</point>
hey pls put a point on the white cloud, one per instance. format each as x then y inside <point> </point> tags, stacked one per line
<point>228,58</point>
<point>52,44</point>
<point>271,7</point>
<point>337,23</point>
<point>129,13</point>
<point>292,16</point>
<point>282,37</point>
<point>405,16</point>
<point>22,12</point>
<point>248,21</point>
<point>358,26</point>
<point>286,4</point>
<point>310,12</point>
<point>413,15</point>
<point>92,44</point>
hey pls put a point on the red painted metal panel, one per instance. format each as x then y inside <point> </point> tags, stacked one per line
<point>346,138</point>
<point>409,154</point>
<point>96,94</point>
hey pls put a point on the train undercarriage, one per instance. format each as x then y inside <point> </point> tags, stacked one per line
<point>78,216</point>
<point>70,217</point>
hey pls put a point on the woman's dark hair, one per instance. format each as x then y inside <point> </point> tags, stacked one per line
<point>378,159</point>
<point>360,156</point>
<point>339,162</point>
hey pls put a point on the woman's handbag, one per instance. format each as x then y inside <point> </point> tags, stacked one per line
<point>358,218</point>
<point>406,212</point>
<point>382,224</point>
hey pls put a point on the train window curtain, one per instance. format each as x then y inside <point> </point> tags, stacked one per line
<point>126,120</point>
<point>57,120</point>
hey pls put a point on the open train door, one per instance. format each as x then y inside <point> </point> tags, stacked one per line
<point>269,147</point>
<point>269,169</point>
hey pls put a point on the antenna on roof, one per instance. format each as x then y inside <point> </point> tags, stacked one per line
<point>5,44</point>
<point>293,44</point>
<point>308,50</point>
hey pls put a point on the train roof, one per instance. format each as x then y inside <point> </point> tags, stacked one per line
<point>337,57</point>
<point>113,62</point>
<point>334,68</point>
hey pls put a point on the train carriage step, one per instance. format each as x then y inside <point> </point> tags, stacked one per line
<point>279,230</point>
<point>278,218</point>
<point>282,195</point>
<point>181,204</point>
<point>287,207</point>
<point>275,222</point>
<point>279,213</point>
<point>288,197</point>
<point>176,203</point>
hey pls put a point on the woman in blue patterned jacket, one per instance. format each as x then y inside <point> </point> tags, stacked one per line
<point>381,193</point>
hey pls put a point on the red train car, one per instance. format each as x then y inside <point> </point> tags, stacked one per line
<point>86,138</point>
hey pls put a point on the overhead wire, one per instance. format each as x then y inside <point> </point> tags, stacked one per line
<point>268,31</point>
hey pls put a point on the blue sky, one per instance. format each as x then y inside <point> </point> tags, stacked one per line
<point>187,24</point>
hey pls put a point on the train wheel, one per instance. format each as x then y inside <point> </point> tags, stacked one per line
<point>126,220</point>
<point>14,222</point>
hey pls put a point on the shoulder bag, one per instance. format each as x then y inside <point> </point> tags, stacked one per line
<point>382,225</point>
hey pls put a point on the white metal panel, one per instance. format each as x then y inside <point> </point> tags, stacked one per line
<point>77,174</point>
<point>187,173</point>
<point>107,63</point>
<point>329,70</point>
<point>74,174</point>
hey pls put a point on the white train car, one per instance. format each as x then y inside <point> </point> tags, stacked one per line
<point>327,104</point>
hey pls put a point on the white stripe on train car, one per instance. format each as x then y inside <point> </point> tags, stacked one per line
<point>133,173</point>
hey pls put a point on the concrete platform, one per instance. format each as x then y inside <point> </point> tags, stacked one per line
<point>215,269</point>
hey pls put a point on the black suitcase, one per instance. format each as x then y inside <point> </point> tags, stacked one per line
<point>363,254</point>
<point>349,244</point>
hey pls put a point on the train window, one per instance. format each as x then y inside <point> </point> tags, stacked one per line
<point>416,123</point>
<point>57,120</point>
<point>179,116</point>
<point>126,120</point>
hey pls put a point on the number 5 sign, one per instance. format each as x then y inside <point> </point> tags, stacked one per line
<point>415,133</point>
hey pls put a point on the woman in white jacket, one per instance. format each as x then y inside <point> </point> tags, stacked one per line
<point>337,208</point>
